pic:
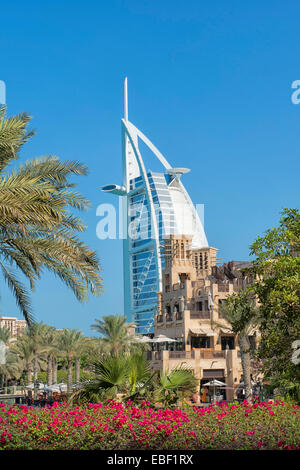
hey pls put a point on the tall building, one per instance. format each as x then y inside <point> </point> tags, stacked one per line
<point>154,205</point>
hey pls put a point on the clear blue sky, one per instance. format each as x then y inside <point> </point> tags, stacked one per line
<point>209,84</point>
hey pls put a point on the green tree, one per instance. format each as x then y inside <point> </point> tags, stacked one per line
<point>114,332</point>
<point>24,350</point>
<point>70,344</point>
<point>32,348</point>
<point>240,313</point>
<point>50,339</point>
<point>129,376</point>
<point>174,385</point>
<point>277,286</point>
<point>4,343</point>
<point>4,335</point>
<point>37,228</point>
<point>36,337</point>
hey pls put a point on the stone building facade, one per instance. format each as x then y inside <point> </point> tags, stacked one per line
<point>188,311</point>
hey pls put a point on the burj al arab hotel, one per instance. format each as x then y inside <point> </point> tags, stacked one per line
<point>154,205</point>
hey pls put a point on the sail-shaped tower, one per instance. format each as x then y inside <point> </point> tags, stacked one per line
<point>154,205</point>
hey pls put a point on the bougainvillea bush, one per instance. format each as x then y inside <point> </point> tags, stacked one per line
<point>116,426</point>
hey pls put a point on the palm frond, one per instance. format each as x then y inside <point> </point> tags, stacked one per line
<point>19,292</point>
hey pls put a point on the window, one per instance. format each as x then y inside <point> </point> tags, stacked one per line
<point>168,313</point>
<point>227,342</point>
<point>200,342</point>
<point>199,306</point>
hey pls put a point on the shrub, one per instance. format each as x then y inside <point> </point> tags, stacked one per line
<point>117,426</point>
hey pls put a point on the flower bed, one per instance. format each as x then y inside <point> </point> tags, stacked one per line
<point>116,426</point>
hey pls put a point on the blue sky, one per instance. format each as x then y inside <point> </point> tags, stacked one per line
<point>209,84</point>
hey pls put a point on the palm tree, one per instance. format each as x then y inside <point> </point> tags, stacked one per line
<point>50,340</point>
<point>54,370</point>
<point>240,313</point>
<point>4,341</point>
<point>37,227</point>
<point>36,336</point>
<point>23,349</point>
<point>114,331</point>
<point>174,384</point>
<point>12,368</point>
<point>83,346</point>
<point>126,375</point>
<point>70,342</point>
<point>130,376</point>
<point>139,374</point>
<point>32,349</point>
<point>4,335</point>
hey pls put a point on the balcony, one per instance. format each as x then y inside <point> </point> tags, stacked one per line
<point>169,318</point>
<point>185,355</point>
<point>204,315</point>
<point>181,354</point>
<point>209,354</point>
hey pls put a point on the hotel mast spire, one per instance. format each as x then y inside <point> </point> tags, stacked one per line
<point>125,100</point>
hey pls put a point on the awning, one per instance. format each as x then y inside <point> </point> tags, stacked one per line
<point>203,331</point>
<point>214,383</point>
<point>162,339</point>
<point>226,331</point>
<point>143,339</point>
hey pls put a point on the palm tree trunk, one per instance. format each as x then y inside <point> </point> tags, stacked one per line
<point>114,349</point>
<point>70,371</point>
<point>77,370</point>
<point>54,370</point>
<point>245,359</point>
<point>49,370</point>
<point>35,366</point>
<point>29,373</point>
<point>35,372</point>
